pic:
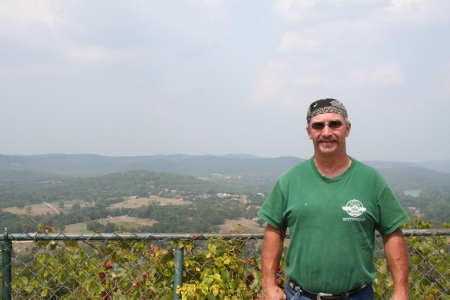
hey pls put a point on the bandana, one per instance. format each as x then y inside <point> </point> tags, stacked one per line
<point>324,106</point>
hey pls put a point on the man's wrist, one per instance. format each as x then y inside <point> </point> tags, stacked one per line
<point>269,284</point>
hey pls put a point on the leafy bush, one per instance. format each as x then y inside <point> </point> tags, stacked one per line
<point>429,260</point>
<point>212,269</point>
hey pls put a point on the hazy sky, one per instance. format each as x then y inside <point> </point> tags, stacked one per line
<point>125,78</point>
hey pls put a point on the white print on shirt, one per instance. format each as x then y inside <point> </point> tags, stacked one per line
<point>354,208</point>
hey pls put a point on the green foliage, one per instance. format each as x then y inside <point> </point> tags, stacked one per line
<point>219,273</point>
<point>14,223</point>
<point>429,258</point>
<point>135,270</point>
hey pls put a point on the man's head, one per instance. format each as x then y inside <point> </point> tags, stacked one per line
<point>328,126</point>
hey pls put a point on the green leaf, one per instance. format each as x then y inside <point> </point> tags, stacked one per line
<point>44,293</point>
<point>415,259</point>
<point>53,245</point>
<point>425,249</point>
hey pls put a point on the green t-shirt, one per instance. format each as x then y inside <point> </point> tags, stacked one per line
<point>332,224</point>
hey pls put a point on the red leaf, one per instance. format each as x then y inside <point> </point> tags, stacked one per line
<point>102,277</point>
<point>107,265</point>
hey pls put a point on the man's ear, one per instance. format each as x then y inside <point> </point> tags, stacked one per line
<point>348,126</point>
<point>308,132</point>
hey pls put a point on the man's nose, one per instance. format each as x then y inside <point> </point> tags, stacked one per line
<point>326,130</point>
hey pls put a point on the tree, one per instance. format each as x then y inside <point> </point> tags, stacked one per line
<point>260,222</point>
<point>76,206</point>
<point>61,203</point>
<point>28,209</point>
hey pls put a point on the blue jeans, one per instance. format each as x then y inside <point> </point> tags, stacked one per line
<point>367,294</point>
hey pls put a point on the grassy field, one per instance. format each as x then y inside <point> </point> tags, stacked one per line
<point>246,225</point>
<point>133,202</point>
<point>129,202</point>
<point>130,224</point>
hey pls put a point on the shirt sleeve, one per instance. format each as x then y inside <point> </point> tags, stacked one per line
<point>272,210</point>
<point>392,214</point>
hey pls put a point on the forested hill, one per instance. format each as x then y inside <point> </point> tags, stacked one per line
<point>51,187</point>
<point>242,171</point>
<point>414,177</point>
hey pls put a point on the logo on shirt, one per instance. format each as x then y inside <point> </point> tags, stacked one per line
<point>354,208</point>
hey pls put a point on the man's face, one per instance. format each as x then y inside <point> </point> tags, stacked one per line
<point>327,136</point>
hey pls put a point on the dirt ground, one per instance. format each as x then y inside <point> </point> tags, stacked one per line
<point>36,209</point>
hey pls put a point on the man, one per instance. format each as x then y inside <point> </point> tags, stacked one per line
<point>332,205</point>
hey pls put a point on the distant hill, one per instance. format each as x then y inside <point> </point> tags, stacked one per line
<point>24,175</point>
<point>381,164</point>
<point>86,165</point>
<point>414,177</point>
<point>238,170</point>
<point>437,165</point>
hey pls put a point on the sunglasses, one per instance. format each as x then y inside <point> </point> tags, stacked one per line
<point>321,125</point>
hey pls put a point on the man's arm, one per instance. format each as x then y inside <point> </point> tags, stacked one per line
<point>270,258</point>
<point>397,258</point>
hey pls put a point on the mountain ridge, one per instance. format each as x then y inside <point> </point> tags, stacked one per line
<point>86,165</point>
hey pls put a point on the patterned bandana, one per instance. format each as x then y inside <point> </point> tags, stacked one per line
<point>324,106</point>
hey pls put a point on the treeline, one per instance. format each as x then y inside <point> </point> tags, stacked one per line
<point>15,223</point>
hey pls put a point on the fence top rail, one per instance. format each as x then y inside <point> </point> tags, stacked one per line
<point>131,236</point>
<point>173,236</point>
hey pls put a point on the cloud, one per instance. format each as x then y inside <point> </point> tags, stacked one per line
<point>26,13</point>
<point>269,84</point>
<point>389,74</point>
<point>443,89</point>
<point>97,53</point>
<point>292,42</point>
<point>26,21</point>
<point>413,12</point>
<point>276,84</point>
<point>418,11</point>
<point>30,71</point>
<point>293,10</point>
<point>311,81</point>
<point>206,2</point>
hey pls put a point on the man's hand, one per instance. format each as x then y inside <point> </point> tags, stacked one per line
<point>273,293</point>
<point>398,296</point>
<point>270,259</point>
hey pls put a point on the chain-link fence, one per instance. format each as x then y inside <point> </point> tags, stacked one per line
<point>203,266</point>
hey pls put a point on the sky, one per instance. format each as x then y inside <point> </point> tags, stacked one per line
<point>198,77</point>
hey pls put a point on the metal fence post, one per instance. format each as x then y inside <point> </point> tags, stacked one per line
<point>6,267</point>
<point>178,280</point>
